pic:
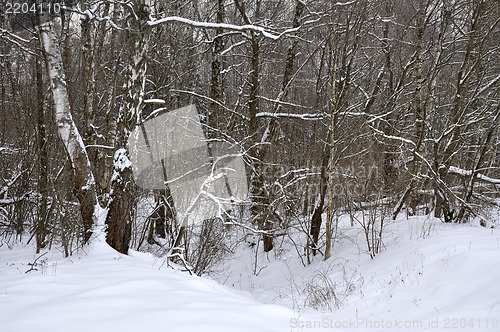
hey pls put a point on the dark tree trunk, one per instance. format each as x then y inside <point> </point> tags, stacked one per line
<point>120,214</point>
<point>41,228</point>
<point>316,219</point>
<point>260,200</point>
<point>216,86</point>
<point>162,218</point>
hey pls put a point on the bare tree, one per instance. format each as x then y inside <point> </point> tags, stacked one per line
<point>85,189</point>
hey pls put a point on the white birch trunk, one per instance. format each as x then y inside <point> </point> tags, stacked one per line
<point>68,132</point>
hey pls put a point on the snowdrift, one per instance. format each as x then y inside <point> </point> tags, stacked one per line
<point>429,277</point>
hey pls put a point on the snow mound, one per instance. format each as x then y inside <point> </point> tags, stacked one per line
<point>429,277</point>
<point>106,291</point>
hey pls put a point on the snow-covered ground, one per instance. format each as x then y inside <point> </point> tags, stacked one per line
<point>105,291</point>
<point>429,277</point>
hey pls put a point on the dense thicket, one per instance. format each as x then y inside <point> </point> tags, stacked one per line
<point>338,107</point>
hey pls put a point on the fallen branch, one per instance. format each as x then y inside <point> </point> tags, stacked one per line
<point>35,263</point>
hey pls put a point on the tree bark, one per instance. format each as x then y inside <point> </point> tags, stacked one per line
<point>122,193</point>
<point>260,200</point>
<point>331,147</point>
<point>316,219</point>
<point>216,87</point>
<point>120,214</point>
<point>68,132</point>
<point>41,228</point>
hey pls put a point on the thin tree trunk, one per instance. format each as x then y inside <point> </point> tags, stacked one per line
<point>420,112</point>
<point>316,219</point>
<point>479,160</point>
<point>331,146</point>
<point>41,229</point>
<point>260,199</point>
<point>444,197</point>
<point>216,87</point>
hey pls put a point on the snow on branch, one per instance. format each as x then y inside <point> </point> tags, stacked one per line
<point>14,38</point>
<point>7,149</point>
<point>29,197</point>
<point>192,93</point>
<point>210,25</point>
<point>154,101</point>
<point>464,172</point>
<point>489,85</point>
<point>392,137</point>
<point>230,48</point>
<point>304,116</point>
<point>347,3</point>
<point>21,43</point>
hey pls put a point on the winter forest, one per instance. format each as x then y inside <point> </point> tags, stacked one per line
<point>363,126</point>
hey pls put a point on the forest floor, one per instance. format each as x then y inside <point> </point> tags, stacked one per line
<point>428,276</point>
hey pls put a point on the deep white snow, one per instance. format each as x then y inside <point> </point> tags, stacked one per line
<point>102,290</point>
<point>429,277</point>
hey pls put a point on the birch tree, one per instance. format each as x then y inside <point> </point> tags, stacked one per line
<point>85,189</point>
